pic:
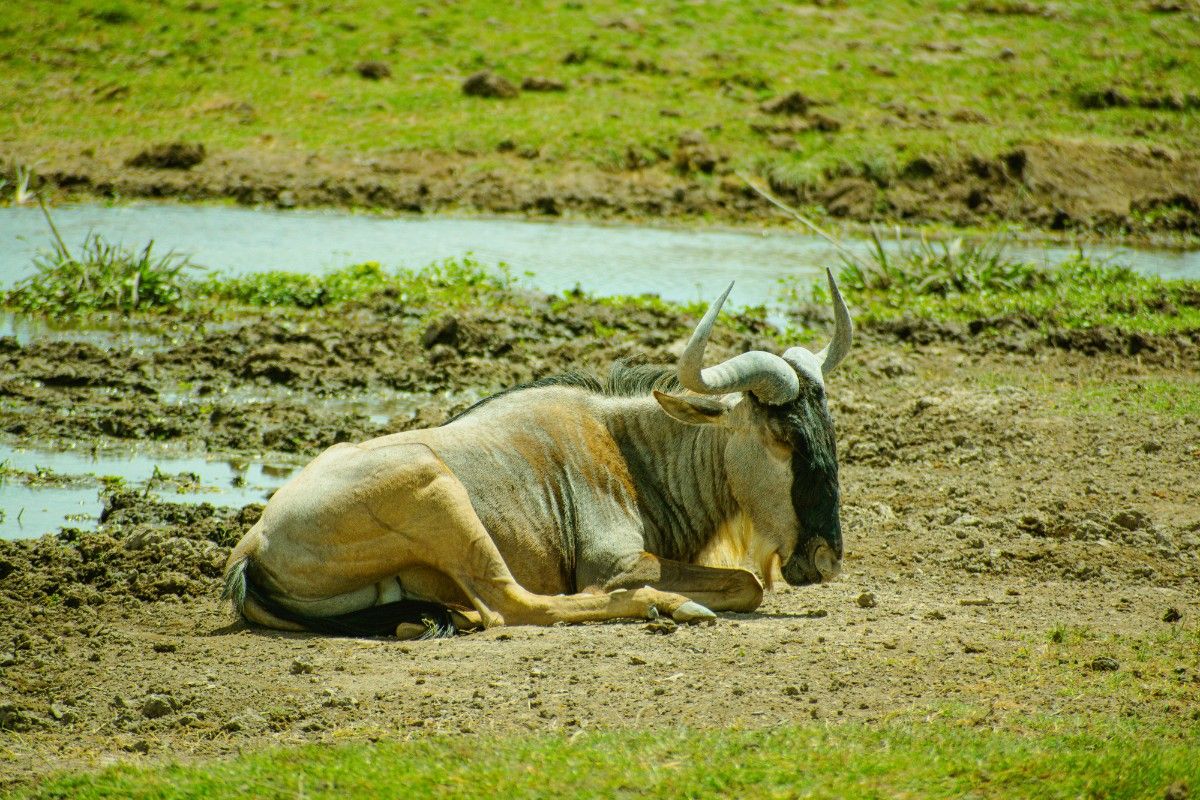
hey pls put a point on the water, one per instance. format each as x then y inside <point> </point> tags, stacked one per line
<point>682,265</point>
<point>32,510</point>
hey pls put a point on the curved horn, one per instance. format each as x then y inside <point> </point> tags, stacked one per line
<point>766,375</point>
<point>843,332</point>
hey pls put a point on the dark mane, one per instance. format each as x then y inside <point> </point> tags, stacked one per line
<point>627,378</point>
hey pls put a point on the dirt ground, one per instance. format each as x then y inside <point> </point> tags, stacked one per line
<point>1011,553</point>
<point>1140,191</point>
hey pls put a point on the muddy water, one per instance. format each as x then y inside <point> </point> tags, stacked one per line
<point>44,489</point>
<point>682,265</point>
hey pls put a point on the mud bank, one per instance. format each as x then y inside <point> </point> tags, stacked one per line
<point>1114,190</point>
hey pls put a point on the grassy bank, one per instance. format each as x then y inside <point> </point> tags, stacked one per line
<point>901,80</point>
<point>930,94</point>
<point>932,760</point>
<point>974,282</point>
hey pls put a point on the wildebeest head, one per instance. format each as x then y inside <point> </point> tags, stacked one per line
<point>780,455</point>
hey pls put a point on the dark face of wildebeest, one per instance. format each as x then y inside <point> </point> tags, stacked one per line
<point>809,429</point>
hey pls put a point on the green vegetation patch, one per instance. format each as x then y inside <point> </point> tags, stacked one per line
<point>979,282</point>
<point>883,83</point>
<point>66,285</point>
<point>932,760</point>
<point>451,282</point>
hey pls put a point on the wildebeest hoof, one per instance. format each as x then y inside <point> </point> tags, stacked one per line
<point>410,630</point>
<point>693,612</point>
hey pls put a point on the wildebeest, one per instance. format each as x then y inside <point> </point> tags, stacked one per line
<point>565,500</point>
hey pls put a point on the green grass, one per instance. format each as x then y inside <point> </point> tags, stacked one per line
<point>1178,398</point>
<point>930,760</point>
<point>55,288</point>
<point>452,282</point>
<point>977,281</point>
<point>923,78</point>
<point>103,277</point>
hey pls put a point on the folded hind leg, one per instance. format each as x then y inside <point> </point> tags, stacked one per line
<point>468,556</point>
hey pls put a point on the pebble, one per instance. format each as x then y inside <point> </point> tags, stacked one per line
<point>866,600</point>
<point>1104,664</point>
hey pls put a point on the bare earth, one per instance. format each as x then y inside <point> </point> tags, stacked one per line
<point>1003,541</point>
<point>1144,191</point>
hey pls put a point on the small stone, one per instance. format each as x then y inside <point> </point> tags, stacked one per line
<point>286,199</point>
<point>488,84</point>
<point>637,661</point>
<point>1173,615</point>
<point>157,705</point>
<point>1104,664</point>
<point>935,615</point>
<point>866,600</point>
<point>165,647</point>
<point>972,647</point>
<point>663,626</point>
<point>302,666</point>
<point>1007,54</point>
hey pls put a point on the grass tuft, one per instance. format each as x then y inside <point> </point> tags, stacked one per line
<point>969,281</point>
<point>103,277</point>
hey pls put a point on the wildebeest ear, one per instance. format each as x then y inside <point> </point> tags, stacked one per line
<point>692,410</point>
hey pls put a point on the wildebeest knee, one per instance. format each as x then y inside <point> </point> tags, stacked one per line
<point>745,591</point>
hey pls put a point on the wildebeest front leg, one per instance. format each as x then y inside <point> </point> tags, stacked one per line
<point>468,555</point>
<point>714,587</point>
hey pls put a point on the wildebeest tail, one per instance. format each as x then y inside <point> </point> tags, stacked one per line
<point>380,620</point>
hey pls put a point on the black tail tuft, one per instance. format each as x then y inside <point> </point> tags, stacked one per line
<point>378,620</point>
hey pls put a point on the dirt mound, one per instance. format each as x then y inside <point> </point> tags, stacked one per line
<point>144,549</point>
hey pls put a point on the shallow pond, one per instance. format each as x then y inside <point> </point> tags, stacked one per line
<point>62,488</point>
<point>677,264</point>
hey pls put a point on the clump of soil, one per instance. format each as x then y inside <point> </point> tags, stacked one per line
<point>537,83</point>
<point>172,155</point>
<point>488,84</point>
<point>373,70</point>
<point>793,103</point>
